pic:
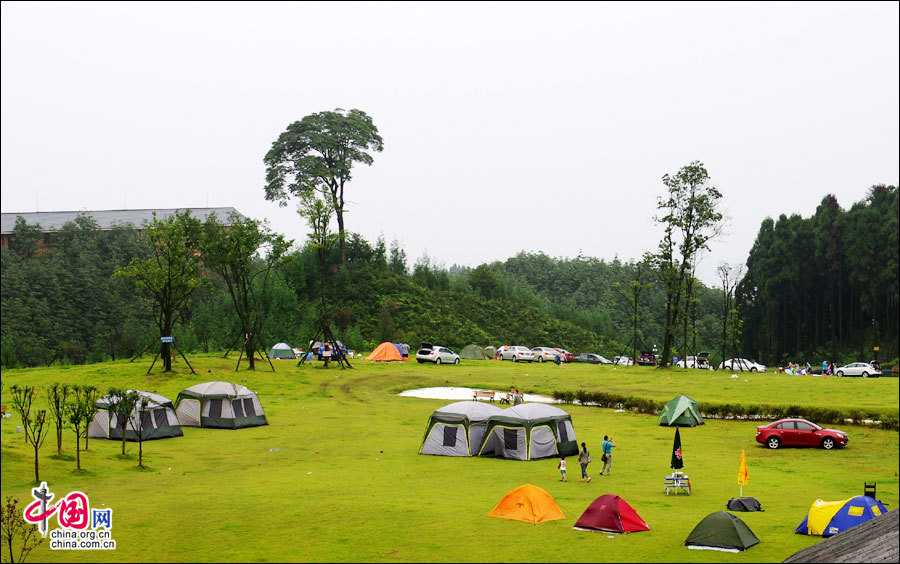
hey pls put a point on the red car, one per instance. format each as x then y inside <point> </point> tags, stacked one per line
<point>566,356</point>
<point>800,433</point>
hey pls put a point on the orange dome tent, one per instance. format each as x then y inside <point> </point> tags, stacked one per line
<point>385,351</point>
<point>528,503</point>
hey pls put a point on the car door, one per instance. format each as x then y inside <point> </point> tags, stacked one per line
<point>806,434</point>
<point>790,434</point>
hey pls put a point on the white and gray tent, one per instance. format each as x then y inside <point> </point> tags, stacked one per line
<point>529,431</point>
<point>282,350</point>
<point>221,405</point>
<point>156,421</point>
<point>457,429</point>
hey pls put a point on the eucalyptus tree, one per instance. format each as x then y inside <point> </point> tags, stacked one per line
<point>231,251</point>
<point>317,153</point>
<point>690,218</point>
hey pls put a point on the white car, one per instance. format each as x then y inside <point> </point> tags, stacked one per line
<point>742,364</point>
<point>863,369</point>
<point>623,361</point>
<point>694,362</point>
<point>437,354</point>
<point>542,354</point>
<point>515,354</point>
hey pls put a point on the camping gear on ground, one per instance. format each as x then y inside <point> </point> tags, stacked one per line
<point>384,352</point>
<point>457,429</point>
<point>826,518</point>
<point>473,352</point>
<point>221,405</point>
<point>872,541</point>
<point>282,350</point>
<point>721,531</point>
<point>156,421</point>
<point>744,504</point>
<point>677,461</point>
<point>610,513</point>
<point>529,431</point>
<point>681,411</point>
<point>528,503</point>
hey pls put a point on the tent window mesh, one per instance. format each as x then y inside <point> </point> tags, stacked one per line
<point>146,421</point>
<point>510,439</point>
<point>238,408</point>
<point>563,433</point>
<point>249,410</point>
<point>120,421</point>
<point>161,419</point>
<point>215,408</point>
<point>449,436</point>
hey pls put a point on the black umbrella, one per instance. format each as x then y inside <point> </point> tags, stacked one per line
<point>677,459</point>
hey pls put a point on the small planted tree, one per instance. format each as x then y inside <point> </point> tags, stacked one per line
<point>23,398</point>
<point>140,424</point>
<point>122,404</point>
<point>56,398</point>
<point>77,410</point>
<point>90,409</point>
<point>14,528</point>
<point>38,427</point>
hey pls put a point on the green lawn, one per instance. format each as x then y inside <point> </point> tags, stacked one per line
<point>335,475</point>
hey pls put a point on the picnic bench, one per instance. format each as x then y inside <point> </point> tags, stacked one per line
<point>484,394</point>
<point>677,481</point>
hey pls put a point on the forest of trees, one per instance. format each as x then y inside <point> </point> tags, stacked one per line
<point>826,286</point>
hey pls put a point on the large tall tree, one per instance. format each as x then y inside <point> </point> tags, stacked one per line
<point>318,153</point>
<point>231,251</point>
<point>690,219</point>
<point>172,272</point>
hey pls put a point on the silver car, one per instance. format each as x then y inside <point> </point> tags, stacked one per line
<point>544,353</point>
<point>863,369</point>
<point>516,354</point>
<point>742,364</point>
<point>437,354</point>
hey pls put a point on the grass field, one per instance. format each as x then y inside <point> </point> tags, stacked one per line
<point>335,475</point>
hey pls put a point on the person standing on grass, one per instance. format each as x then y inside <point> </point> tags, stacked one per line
<point>562,468</point>
<point>584,458</point>
<point>326,354</point>
<point>607,446</point>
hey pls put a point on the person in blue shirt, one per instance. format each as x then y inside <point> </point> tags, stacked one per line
<point>607,446</point>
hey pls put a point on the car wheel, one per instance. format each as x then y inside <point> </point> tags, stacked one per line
<point>456,361</point>
<point>540,359</point>
<point>515,358</point>
<point>773,442</point>
<point>865,374</point>
<point>828,443</point>
<point>437,360</point>
<point>421,362</point>
<point>752,369</point>
<point>840,373</point>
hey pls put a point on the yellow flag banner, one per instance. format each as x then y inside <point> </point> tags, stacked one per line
<point>743,476</point>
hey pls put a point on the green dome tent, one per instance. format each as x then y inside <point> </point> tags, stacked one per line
<point>681,411</point>
<point>473,352</point>
<point>721,531</point>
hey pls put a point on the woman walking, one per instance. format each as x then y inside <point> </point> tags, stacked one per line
<point>584,458</point>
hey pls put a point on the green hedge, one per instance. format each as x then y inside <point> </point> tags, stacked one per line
<point>765,412</point>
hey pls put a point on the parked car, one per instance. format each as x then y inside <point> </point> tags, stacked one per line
<point>742,364</point>
<point>623,360</point>
<point>700,361</point>
<point>437,354</point>
<point>647,358</point>
<point>565,355</point>
<point>864,369</point>
<point>516,353</point>
<point>801,433</point>
<point>542,354</point>
<point>590,358</point>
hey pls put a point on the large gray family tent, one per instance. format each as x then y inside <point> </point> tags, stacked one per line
<point>282,350</point>
<point>457,429</point>
<point>221,405</point>
<point>681,411</point>
<point>473,352</point>
<point>156,421</point>
<point>721,530</point>
<point>529,431</point>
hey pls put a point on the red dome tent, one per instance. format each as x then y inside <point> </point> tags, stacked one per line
<point>610,513</point>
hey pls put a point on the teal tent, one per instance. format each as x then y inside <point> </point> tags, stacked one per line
<point>681,411</point>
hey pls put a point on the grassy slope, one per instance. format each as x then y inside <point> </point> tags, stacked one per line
<point>346,484</point>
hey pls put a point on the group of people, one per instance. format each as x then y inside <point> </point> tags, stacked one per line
<point>584,458</point>
<point>514,396</point>
<point>796,369</point>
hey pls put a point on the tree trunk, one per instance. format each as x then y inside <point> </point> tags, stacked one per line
<point>37,475</point>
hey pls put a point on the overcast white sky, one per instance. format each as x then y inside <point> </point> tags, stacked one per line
<point>507,127</point>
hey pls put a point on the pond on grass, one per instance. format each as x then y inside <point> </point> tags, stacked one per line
<point>460,394</point>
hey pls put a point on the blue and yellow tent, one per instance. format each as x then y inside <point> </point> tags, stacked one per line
<point>827,518</point>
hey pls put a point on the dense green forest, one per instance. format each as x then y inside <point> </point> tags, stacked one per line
<point>826,286</point>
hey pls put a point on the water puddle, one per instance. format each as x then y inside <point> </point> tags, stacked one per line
<point>460,394</point>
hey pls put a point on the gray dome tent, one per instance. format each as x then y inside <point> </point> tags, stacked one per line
<point>457,429</point>
<point>282,350</point>
<point>157,420</point>
<point>473,352</point>
<point>490,351</point>
<point>529,431</point>
<point>219,404</point>
<point>681,411</point>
